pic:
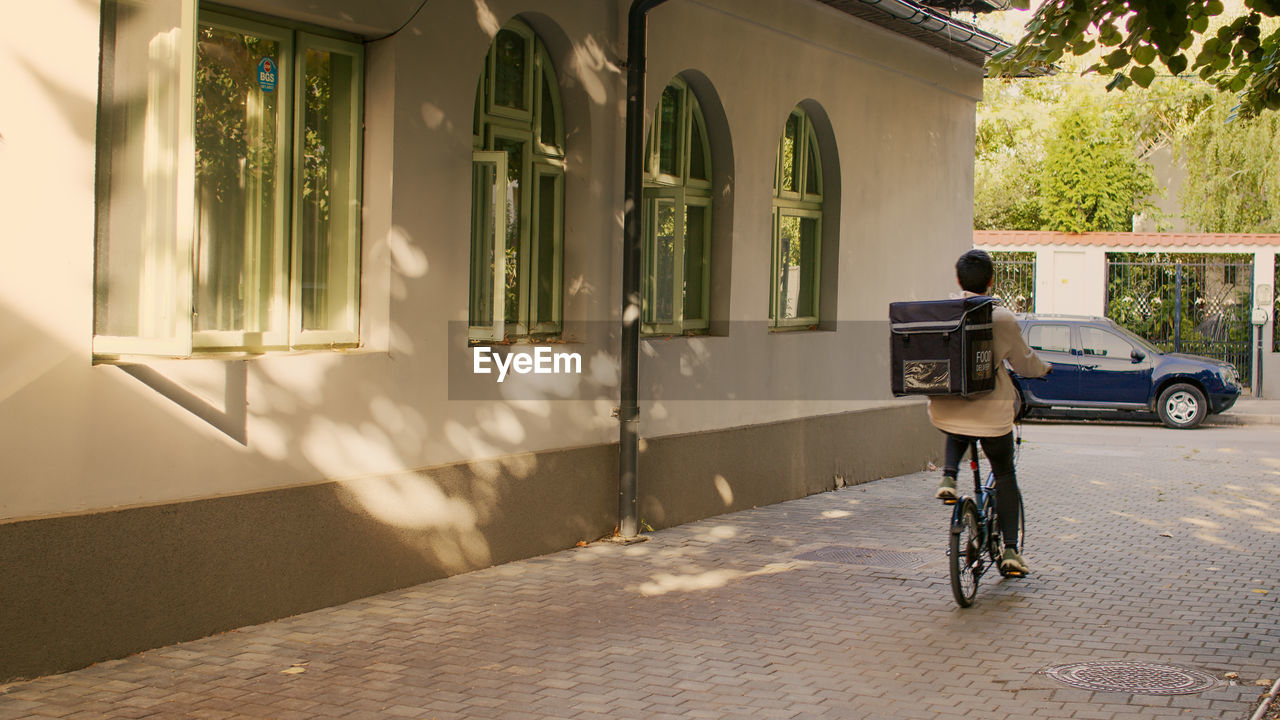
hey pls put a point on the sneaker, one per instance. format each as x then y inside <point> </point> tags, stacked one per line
<point>946,489</point>
<point>1013,564</point>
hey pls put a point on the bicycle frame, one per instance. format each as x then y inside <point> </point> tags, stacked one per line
<point>984,500</point>
<point>976,542</point>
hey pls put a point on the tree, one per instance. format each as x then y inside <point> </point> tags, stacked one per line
<point>1234,54</point>
<point>1232,181</point>
<point>1091,179</point>
<point>1013,119</point>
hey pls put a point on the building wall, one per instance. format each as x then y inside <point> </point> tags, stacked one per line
<point>159,500</point>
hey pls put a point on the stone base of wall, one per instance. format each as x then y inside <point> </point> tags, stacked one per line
<point>84,588</point>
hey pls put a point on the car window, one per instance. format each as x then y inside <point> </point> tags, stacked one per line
<point>1050,338</point>
<point>1139,341</point>
<point>1100,343</point>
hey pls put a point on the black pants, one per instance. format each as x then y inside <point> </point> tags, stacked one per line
<point>999,451</point>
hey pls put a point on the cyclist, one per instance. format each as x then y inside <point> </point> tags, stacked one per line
<point>989,417</point>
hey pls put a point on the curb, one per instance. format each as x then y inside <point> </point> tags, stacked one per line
<point>1266,702</point>
<point>1242,419</point>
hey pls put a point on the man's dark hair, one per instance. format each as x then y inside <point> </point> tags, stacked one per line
<point>974,271</point>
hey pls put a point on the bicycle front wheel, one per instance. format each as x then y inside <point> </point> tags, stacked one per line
<point>965,554</point>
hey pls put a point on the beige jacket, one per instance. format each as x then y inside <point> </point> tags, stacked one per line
<point>992,414</point>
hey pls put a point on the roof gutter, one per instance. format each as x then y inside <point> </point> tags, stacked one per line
<point>945,27</point>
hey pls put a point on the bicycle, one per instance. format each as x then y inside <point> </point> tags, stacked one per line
<point>975,539</point>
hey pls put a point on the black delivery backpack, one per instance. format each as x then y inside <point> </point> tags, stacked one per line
<point>942,347</point>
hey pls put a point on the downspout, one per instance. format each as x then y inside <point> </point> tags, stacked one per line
<point>632,256</point>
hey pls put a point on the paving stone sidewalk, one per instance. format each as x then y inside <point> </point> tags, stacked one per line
<point>1147,546</point>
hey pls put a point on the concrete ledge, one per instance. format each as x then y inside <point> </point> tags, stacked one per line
<point>698,475</point>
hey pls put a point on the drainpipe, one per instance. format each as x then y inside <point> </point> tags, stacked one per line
<point>632,255</point>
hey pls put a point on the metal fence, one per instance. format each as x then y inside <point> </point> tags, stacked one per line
<point>1015,280</point>
<point>1193,303</point>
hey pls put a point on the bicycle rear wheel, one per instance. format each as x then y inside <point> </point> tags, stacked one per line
<point>965,554</point>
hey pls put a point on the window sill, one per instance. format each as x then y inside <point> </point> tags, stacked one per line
<point>676,335</point>
<point>229,354</point>
<point>527,340</point>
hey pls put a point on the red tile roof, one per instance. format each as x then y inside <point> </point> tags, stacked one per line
<point>982,238</point>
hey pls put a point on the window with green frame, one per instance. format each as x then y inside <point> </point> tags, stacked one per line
<point>517,192</point>
<point>796,249</point>
<point>676,225</point>
<point>228,184</point>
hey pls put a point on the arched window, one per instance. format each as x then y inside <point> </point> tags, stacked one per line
<point>677,216</point>
<point>797,226</point>
<point>517,192</point>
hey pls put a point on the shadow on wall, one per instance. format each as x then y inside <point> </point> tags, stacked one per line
<point>90,586</point>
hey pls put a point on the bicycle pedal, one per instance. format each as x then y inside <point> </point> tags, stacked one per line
<point>950,501</point>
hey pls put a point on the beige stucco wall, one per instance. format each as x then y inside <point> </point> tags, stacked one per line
<point>79,437</point>
<point>140,499</point>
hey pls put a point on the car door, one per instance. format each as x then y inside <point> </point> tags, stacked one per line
<point>1108,370</point>
<point>1052,342</point>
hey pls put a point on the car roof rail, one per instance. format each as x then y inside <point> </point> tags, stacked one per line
<point>1062,316</point>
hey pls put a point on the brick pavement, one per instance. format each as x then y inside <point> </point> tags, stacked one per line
<point>1147,545</point>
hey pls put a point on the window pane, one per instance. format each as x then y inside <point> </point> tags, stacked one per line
<point>484,215</point>
<point>515,151</point>
<point>797,265</point>
<point>1050,338</point>
<point>788,266</point>
<point>662,255</point>
<point>790,168</point>
<point>808,299</point>
<point>1100,343</point>
<point>697,151</point>
<point>143,243</point>
<point>476,123</point>
<point>239,223</point>
<point>510,51</point>
<point>548,120</point>
<point>327,212</point>
<point>669,114</point>
<point>695,225</point>
<point>813,170</point>
<point>545,242</point>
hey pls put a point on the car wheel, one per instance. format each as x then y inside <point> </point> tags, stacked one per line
<point>1181,406</point>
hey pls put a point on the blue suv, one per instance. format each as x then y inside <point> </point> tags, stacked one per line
<point>1102,367</point>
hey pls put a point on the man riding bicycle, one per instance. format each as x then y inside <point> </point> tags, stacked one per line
<point>988,418</point>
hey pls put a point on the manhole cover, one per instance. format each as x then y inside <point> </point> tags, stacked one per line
<point>1132,677</point>
<point>866,556</point>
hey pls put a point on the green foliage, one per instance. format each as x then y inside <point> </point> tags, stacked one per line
<point>1233,173</point>
<point>1004,197</point>
<point>1012,122</point>
<point>1229,164</point>
<point>1015,279</point>
<point>1142,295</point>
<point>1239,53</point>
<point>234,127</point>
<point>1091,179</point>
